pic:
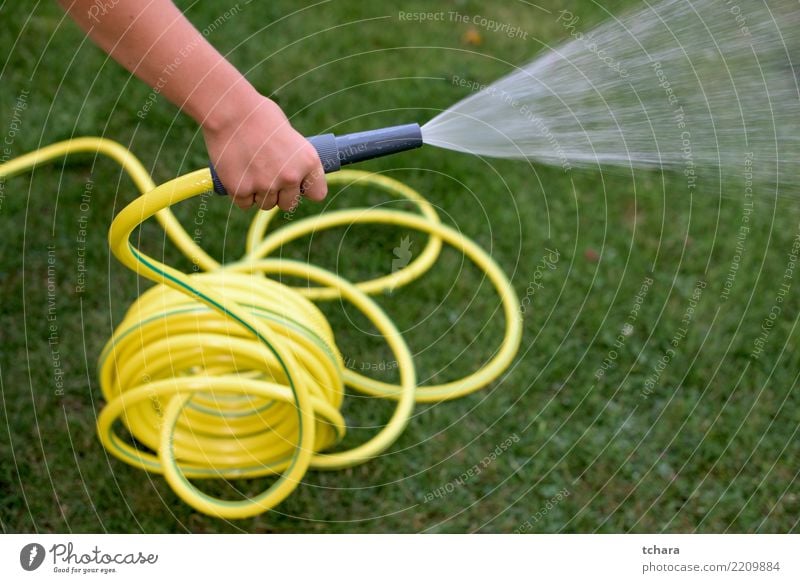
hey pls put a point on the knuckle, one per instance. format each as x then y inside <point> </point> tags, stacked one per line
<point>310,155</point>
<point>291,176</point>
<point>243,188</point>
<point>264,184</point>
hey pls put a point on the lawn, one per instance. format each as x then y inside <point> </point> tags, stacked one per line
<point>655,389</point>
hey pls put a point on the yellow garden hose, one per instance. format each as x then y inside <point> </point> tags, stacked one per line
<point>228,373</point>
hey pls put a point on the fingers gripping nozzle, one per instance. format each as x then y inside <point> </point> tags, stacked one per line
<point>337,151</point>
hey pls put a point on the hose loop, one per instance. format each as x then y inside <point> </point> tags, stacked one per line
<point>229,373</point>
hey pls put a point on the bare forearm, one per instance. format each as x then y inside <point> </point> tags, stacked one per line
<point>259,156</point>
<point>154,41</point>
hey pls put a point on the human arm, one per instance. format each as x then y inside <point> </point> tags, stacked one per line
<point>257,154</point>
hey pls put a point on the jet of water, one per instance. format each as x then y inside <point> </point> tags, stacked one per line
<point>679,84</point>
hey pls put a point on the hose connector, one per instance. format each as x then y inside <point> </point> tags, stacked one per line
<point>337,151</point>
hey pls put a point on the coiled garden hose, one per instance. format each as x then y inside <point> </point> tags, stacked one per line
<point>228,373</point>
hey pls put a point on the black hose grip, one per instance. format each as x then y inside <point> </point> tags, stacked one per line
<point>219,188</point>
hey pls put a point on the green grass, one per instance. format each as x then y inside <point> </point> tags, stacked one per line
<point>712,448</point>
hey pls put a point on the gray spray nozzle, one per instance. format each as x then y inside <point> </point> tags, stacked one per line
<point>337,151</point>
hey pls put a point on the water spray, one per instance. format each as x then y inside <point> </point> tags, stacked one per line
<point>679,85</point>
<point>231,374</point>
<point>686,86</point>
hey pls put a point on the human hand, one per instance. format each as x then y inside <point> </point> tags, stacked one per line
<point>259,157</point>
